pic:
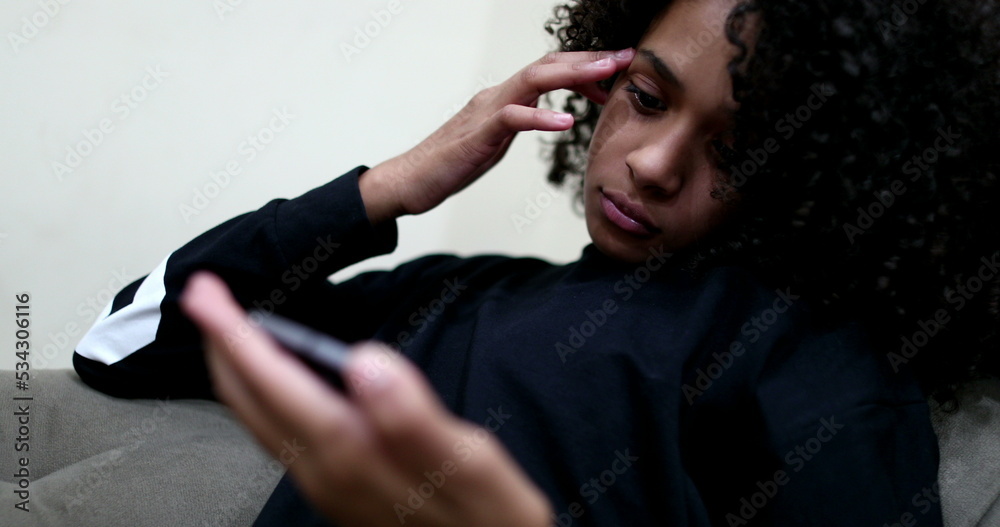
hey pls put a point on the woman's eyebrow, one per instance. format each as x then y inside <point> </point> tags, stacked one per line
<point>667,75</point>
<point>661,68</point>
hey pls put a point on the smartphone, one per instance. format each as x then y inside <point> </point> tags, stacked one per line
<point>326,355</point>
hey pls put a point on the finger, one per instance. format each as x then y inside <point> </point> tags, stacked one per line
<point>552,74</point>
<point>415,429</point>
<point>580,56</point>
<point>274,383</point>
<point>592,91</point>
<point>574,57</point>
<point>514,118</point>
<point>467,461</point>
<point>403,409</point>
<point>342,470</point>
<point>231,391</point>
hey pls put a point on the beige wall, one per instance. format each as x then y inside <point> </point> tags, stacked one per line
<point>204,80</point>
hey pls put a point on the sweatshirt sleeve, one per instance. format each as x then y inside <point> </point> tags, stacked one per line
<point>853,438</point>
<point>821,432</point>
<point>275,258</point>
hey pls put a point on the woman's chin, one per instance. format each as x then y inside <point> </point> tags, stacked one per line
<point>623,246</point>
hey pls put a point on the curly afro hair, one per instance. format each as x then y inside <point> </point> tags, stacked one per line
<point>877,196</point>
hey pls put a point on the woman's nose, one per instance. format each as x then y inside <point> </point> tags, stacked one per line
<point>659,167</point>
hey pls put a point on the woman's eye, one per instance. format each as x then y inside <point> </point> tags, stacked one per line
<point>644,99</point>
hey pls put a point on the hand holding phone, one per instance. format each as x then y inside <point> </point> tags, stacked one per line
<point>325,354</point>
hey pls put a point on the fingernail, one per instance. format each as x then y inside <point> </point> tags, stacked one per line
<point>600,63</point>
<point>624,53</point>
<point>375,372</point>
<point>563,118</point>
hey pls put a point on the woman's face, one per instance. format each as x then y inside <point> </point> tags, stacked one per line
<point>651,165</point>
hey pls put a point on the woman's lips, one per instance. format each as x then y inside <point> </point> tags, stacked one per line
<point>628,215</point>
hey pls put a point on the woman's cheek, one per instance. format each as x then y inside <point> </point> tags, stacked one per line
<point>613,122</point>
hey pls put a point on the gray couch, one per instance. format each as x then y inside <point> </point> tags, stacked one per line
<point>96,460</point>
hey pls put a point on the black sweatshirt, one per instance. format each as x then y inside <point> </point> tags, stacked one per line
<point>632,394</point>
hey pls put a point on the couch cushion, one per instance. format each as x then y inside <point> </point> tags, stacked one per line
<point>969,440</point>
<point>96,460</point>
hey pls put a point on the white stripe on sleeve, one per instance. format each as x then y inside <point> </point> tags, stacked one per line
<point>114,337</point>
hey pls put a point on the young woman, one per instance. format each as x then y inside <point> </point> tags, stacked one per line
<point>791,207</point>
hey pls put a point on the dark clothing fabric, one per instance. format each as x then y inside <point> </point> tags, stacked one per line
<point>632,394</point>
